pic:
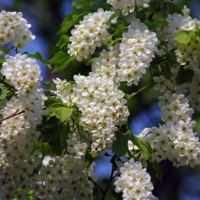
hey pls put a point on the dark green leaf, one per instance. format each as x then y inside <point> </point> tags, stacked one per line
<point>184,76</point>
<point>158,21</point>
<point>64,40</point>
<point>182,37</point>
<point>160,2</point>
<point>51,101</point>
<point>154,70</point>
<point>63,130</point>
<point>49,113</point>
<point>174,8</point>
<point>72,19</point>
<point>59,57</point>
<point>116,14</point>
<point>142,14</point>
<point>107,183</point>
<point>120,145</point>
<point>61,66</point>
<point>38,56</point>
<point>159,173</point>
<point>95,191</point>
<point>145,147</point>
<point>80,4</point>
<point>130,96</point>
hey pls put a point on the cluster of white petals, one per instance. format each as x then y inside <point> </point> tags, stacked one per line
<point>189,54</point>
<point>107,64</point>
<point>23,73</point>
<point>65,177</point>
<point>136,52</point>
<point>13,27</point>
<point>18,133</point>
<point>175,140</point>
<point>127,6</point>
<point>89,34</point>
<point>134,181</point>
<point>177,23</point>
<point>102,106</point>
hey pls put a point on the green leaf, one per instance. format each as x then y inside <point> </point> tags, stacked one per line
<point>182,37</point>
<point>142,14</point>
<point>159,173</point>
<point>3,93</point>
<point>120,145</point>
<point>38,56</point>
<point>160,2</point>
<point>174,8</point>
<point>113,16</point>
<point>6,51</point>
<point>51,101</point>
<point>63,113</point>
<point>145,147</point>
<point>63,130</point>
<point>49,84</point>
<point>154,70</point>
<point>158,21</point>
<point>184,76</point>
<point>72,19</point>
<point>80,4</point>
<point>61,66</point>
<point>63,41</point>
<point>49,112</point>
<point>59,57</point>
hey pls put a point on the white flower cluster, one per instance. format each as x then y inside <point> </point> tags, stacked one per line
<point>189,54</point>
<point>136,52</point>
<point>23,73</point>
<point>101,104</point>
<point>177,23</point>
<point>134,181</point>
<point>13,27</point>
<point>89,34</point>
<point>66,178</point>
<point>107,64</point>
<point>175,140</point>
<point>127,5</point>
<point>18,133</point>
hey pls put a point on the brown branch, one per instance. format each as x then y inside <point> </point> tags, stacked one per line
<point>1,81</point>
<point>157,61</point>
<point>16,113</point>
<point>111,178</point>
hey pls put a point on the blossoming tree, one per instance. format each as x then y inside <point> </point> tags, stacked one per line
<point>81,120</point>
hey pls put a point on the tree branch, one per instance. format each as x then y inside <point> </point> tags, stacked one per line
<point>16,113</point>
<point>90,179</point>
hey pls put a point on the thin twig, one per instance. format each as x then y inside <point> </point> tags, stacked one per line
<point>157,61</point>
<point>115,174</point>
<point>90,179</point>
<point>16,113</point>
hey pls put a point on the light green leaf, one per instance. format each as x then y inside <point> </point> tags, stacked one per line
<point>158,21</point>
<point>63,113</point>
<point>120,145</point>
<point>3,93</point>
<point>182,37</point>
<point>145,147</point>
<point>38,56</point>
<point>49,84</point>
